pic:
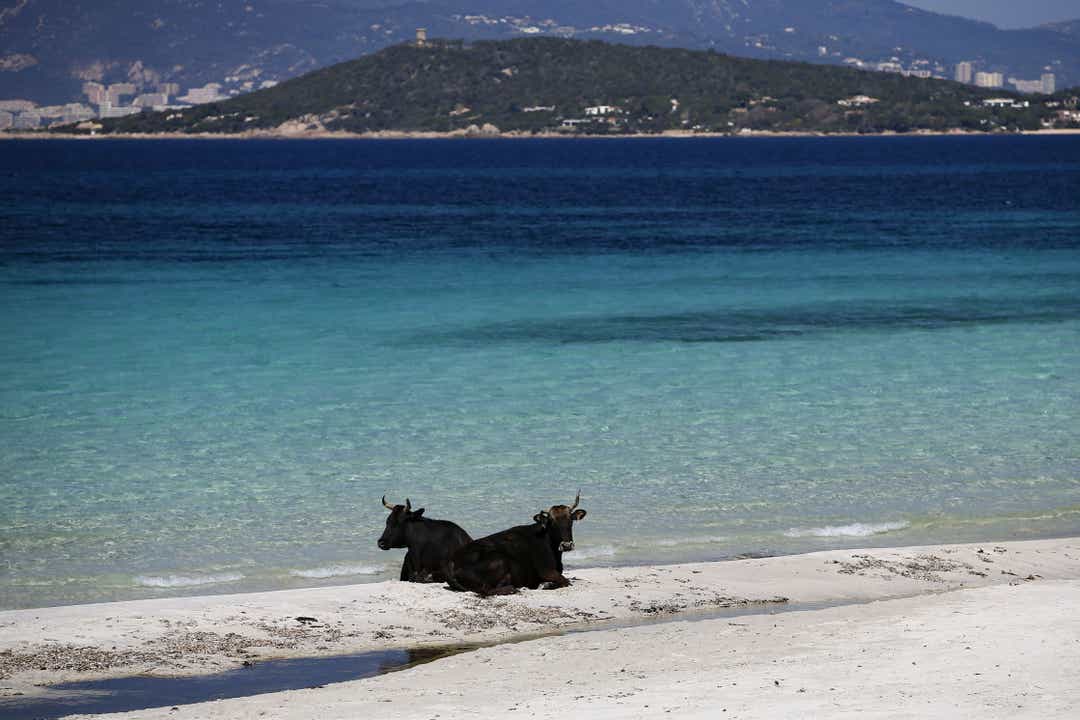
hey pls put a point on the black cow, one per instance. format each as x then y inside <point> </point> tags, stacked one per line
<point>430,542</point>
<point>523,556</point>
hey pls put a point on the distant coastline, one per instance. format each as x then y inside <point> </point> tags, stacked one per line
<point>460,135</point>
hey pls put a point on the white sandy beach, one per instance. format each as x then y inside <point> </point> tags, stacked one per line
<point>942,631</point>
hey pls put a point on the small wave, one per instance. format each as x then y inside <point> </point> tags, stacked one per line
<point>592,552</point>
<point>704,540</point>
<point>853,530</point>
<point>330,571</point>
<point>171,581</point>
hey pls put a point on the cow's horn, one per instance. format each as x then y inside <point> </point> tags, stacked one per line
<point>408,505</point>
<point>576,500</point>
<point>387,505</point>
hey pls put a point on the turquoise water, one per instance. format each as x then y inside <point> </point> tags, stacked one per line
<point>217,356</point>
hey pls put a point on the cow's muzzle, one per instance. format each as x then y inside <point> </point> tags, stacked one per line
<point>566,546</point>
<point>383,545</point>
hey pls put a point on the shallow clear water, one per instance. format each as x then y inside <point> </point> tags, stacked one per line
<point>218,355</point>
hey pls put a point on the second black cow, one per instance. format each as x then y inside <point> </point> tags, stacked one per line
<point>523,556</point>
<point>430,542</point>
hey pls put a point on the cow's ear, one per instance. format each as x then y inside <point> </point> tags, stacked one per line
<point>415,515</point>
<point>580,514</point>
<point>540,517</point>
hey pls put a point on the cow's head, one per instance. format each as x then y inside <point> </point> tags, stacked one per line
<point>558,521</point>
<point>400,515</point>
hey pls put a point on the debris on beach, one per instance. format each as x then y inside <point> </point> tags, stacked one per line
<point>486,614</point>
<point>718,601</point>
<point>70,658</point>
<point>920,567</point>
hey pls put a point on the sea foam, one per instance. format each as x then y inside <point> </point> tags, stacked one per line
<point>174,581</point>
<point>592,552</point>
<point>330,571</point>
<point>852,530</point>
<point>703,540</point>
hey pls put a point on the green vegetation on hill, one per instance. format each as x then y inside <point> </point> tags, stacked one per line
<point>448,86</point>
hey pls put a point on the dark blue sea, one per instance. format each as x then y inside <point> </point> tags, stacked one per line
<point>216,356</point>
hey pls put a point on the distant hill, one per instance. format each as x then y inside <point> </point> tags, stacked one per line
<point>48,48</point>
<point>588,86</point>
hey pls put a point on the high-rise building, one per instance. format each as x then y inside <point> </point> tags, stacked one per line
<point>964,71</point>
<point>117,91</point>
<point>95,93</point>
<point>150,100</point>
<point>1027,86</point>
<point>76,112</point>
<point>108,111</point>
<point>27,120</point>
<point>1049,83</point>
<point>16,106</point>
<point>989,79</point>
<point>211,92</point>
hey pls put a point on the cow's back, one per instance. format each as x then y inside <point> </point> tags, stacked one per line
<point>506,557</point>
<point>449,535</point>
<point>430,555</point>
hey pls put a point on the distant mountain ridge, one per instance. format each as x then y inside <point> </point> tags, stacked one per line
<point>48,48</point>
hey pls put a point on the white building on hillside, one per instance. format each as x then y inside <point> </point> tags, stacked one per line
<point>598,110</point>
<point>857,101</point>
<point>211,92</point>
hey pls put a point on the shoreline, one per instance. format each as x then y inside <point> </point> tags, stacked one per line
<point>513,135</point>
<point>379,572</point>
<point>183,636</point>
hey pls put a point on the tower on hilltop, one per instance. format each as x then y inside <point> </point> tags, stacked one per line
<point>421,37</point>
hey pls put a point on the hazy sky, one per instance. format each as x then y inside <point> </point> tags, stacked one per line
<point>1006,13</point>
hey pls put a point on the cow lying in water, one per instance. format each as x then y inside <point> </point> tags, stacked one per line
<point>523,556</point>
<point>430,542</point>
